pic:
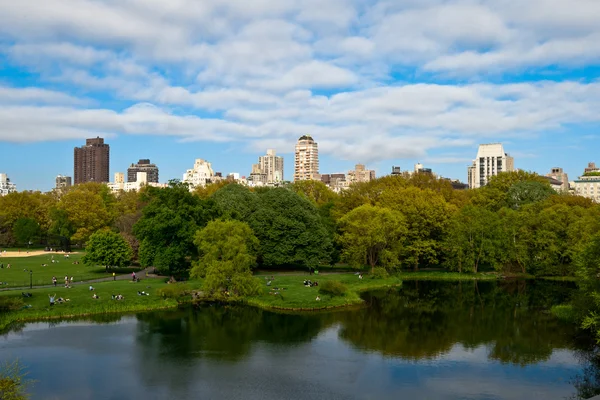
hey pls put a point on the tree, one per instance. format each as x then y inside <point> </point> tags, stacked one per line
<point>588,263</point>
<point>236,202</point>
<point>472,240</point>
<point>13,382</point>
<point>166,229</point>
<point>61,227</point>
<point>427,216</point>
<point>528,192</point>
<point>107,248</point>
<point>315,191</point>
<point>227,253</point>
<point>290,230</point>
<point>25,230</point>
<point>372,235</point>
<point>87,209</point>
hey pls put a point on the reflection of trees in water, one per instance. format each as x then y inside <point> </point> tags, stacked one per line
<point>224,333</point>
<point>587,382</point>
<point>426,319</point>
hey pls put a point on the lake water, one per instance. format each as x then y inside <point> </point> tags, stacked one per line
<point>425,341</point>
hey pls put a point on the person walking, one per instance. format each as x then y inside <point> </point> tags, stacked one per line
<point>114,276</point>
<point>66,281</point>
<point>54,281</point>
<point>133,276</point>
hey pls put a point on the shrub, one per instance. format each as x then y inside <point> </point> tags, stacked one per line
<point>11,303</point>
<point>173,291</point>
<point>379,273</point>
<point>13,382</point>
<point>333,288</point>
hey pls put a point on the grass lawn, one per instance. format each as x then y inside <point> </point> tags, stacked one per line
<point>297,296</point>
<point>81,301</point>
<point>16,276</point>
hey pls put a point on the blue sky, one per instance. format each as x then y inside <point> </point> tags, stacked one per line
<point>377,82</point>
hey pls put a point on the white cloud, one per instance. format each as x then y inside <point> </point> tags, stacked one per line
<point>272,70</point>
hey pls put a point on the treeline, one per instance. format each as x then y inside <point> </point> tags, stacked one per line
<point>515,224</point>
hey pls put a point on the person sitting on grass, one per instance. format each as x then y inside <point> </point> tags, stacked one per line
<point>318,298</point>
<point>91,288</point>
<point>95,296</point>
<point>52,299</point>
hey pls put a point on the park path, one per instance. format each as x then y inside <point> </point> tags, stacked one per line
<point>143,274</point>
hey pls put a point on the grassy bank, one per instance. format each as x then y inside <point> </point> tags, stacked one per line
<point>81,302</point>
<point>18,274</point>
<point>288,292</point>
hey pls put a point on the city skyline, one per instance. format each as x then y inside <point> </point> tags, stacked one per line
<point>376,82</point>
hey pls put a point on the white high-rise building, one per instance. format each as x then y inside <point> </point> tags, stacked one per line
<point>272,166</point>
<point>200,175</point>
<point>491,160</point>
<point>306,160</point>
<point>588,184</point>
<point>6,186</point>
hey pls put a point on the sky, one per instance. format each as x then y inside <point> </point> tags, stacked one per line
<point>384,83</point>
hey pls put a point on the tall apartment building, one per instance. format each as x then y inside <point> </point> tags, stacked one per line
<point>6,186</point>
<point>200,175</point>
<point>360,174</point>
<point>62,183</point>
<point>272,166</point>
<point>92,161</point>
<point>491,160</point>
<point>588,184</point>
<point>561,176</point>
<point>140,181</point>
<point>143,165</point>
<point>306,166</point>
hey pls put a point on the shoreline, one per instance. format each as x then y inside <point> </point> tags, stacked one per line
<point>351,299</point>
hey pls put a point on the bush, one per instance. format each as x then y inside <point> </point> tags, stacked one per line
<point>173,291</point>
<point>13,382</point>
<point>333,288</point>
<point>380,273</point>
<point>11,304</point>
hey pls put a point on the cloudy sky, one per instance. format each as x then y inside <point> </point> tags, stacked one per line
<point>378,82</point>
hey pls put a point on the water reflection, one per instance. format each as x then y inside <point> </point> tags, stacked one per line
<point>426,340</point>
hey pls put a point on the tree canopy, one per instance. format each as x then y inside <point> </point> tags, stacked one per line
<point>107,248</point>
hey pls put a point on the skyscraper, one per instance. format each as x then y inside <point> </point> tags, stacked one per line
<point>306,160</point>
<point>491,160</point>
<point>272,166</point>
<point>92,161</point>
<point>6,186</point>
<point>143,165</point>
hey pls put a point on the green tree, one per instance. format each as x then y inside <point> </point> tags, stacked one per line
<point>166,229</point>
<point>588,263</point>
<point>528,192</point>
<point>427,216</point>
<point>61,227</point>
<point>472,240</point>
<point>13,382</point>
<point>25,230</point>
<point>107,248</point>
<point>227,254</point>
<point>290,230</point>
<point>373,236</point>
<point>236,202</point>
<point>315,191</point>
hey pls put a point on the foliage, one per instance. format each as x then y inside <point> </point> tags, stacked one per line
<point>108,249</point>
<point>315,191</point>
<point>227,253</point>
<point>589,271</point>
<point>173,291</point>
<point>379,273</point>
<point>25,230</point>
<point>167,226</point>
<point>290,230</point>
<point>13,382</point>
<point>528,192</point>
<point>11,303</point>
<point>333,288</point>
<point>372,235</point>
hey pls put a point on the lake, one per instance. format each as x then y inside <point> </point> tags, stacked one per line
<point>427,340</point>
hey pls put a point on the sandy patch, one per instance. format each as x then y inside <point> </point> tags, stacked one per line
<point>24,253</point>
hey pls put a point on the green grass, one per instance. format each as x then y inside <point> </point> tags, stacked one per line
<point>298,297</point>
<point>17,277</point>
<point>81,302</point>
